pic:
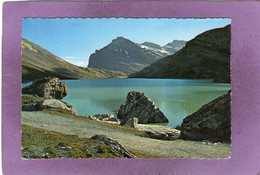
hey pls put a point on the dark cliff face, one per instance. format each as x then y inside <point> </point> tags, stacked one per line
<point>207,56</point>
<point>122,55</point>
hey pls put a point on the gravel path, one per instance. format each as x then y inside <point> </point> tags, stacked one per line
<point>173,149</point>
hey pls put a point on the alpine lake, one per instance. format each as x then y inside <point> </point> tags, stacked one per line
<point>176,98</point>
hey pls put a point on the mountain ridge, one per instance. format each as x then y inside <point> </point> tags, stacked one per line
<point>38,62</point>
<point>126,56</point>
<point>207,56</point>
<point>122,55</point>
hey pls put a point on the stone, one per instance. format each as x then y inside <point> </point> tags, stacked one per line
<point>105,117</point>
<point>31,103</point>
<point>74,111</point>
<point>211,122</point>
<point>140,106</point>
<point>93,118</point>
<point>114,145</point>
<point>48,87</point>
<point>132,122</point>
<point>159,132</point>
<point>53,103</point>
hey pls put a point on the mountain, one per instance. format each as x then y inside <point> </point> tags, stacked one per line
<point>122,55</point>
<point>37,63</point>
<point>155,48</point>
<point>166,50</point>
<point>174,46</point>
<point>207,56</point>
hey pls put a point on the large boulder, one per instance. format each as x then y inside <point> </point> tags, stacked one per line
<point>48,87</point>
<point>32,103</point>
<point>140,106</point>
<point>132,122</point>
<point>159,132</point>
<point>53,103</point>
<point>211,122</point>
<point>114,145</point>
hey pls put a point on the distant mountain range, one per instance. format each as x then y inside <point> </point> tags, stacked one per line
<point>207,56</point>
<point>166,50</point>
<point>37,63</point>
<point>129,57</point>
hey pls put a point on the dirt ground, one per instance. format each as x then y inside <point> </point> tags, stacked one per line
<point>83,128</point>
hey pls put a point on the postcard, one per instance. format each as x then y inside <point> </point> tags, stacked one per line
<point>106,83</point>
<point>122,85</point>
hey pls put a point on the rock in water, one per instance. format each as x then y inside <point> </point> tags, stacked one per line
<point>114,145</point>
<point>140,106</point>
<point>211,122</point>
<point>48,87</point>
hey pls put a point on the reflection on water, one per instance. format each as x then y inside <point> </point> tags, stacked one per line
<point>175,98</point>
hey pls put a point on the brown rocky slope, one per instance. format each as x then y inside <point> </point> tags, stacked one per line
<point>38,62</point>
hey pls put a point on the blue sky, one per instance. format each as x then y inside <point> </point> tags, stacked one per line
<point>75,39</point>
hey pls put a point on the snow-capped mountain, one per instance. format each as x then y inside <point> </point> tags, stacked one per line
<point>166,50</point>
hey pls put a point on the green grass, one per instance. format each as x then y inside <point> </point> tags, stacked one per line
<point>39,143</point>
<point>61,145</point>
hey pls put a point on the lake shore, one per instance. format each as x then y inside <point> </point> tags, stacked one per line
<point>86,128</point>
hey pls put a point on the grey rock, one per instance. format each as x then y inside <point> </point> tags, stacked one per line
<point>93,118</point>
<point>132,122</point>
<point>140,106</point>
<point>114,145</point>
<point>106,117</point>
<point>74,111</point>
<point>48,87</point>
<point>211,122</point>
<point>159,132</point>
<point>53,103</point>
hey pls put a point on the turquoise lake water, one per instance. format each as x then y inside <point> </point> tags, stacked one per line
<point>176,98</point>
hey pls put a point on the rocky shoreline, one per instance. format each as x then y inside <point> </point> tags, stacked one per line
<point>210,124</point>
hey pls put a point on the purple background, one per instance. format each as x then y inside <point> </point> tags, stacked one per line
<point>245,72</point>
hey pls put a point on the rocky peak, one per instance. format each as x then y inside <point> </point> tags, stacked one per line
<point>122,55</point>
<point>174,46</point>
<point>121,41</point>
